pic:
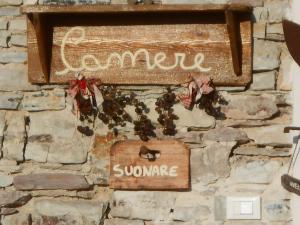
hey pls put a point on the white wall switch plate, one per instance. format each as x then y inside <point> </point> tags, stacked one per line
<point>243,208</point>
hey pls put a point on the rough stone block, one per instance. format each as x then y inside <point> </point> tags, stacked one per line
<point>56,134</point>
<point>13,57</point>
<point>18,24</point>
<point>4,38</point>
<point>241,107</point>
<point>117,221</point>
<point>270,136</point>
<point>276,9</point>
<point>259,30</point>
<point>285,77</point>
<point>14,136</point>
<point>256,172</point>
<point>18,40</point>
<point>143,205</point>
<point>264,81</point>
<point>211,163</point>
<point>266,55</point>
<point>10,100</point>
<point>44,100</point>
<point>13,77</point>
<point>9,11</point>
<point>5,180</point>
<point>50,181</point>
<point>277,211</point>
<point>198,213</point>
<point>226,134</point>
<point>13,198</point>
<point>30,2</point>
<point>275,32</point>
<point>79,212</point>
<point>10,2</point>
<point>3,24</point>
<point>17,219</point>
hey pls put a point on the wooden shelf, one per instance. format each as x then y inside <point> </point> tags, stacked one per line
<point>235,18</point>
<point>45,9</point>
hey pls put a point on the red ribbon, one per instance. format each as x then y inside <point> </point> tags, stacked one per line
<point>196,87</point>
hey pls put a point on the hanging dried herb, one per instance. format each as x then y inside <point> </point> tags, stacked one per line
<point>164,107</point>
<point>113,108</point>
<point>143,126</point>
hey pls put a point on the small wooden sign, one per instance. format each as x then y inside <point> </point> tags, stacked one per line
<point>153,165</point>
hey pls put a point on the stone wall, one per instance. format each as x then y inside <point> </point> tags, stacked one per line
<point>242,155</point>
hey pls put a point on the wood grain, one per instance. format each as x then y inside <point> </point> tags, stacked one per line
<point>171,32</point>
<point>133,8</point>
<point>173,153</point>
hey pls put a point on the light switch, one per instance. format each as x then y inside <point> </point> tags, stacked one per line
<point>243,208</point>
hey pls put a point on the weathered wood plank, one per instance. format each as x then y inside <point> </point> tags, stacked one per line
<point>143,48</point>
<point>211,40</point>
<point>173,159</point>
<point>49,181</point>
<point>134,8</point>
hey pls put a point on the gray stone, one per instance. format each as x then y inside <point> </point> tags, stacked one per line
<point>116,221</point>
<point>79,212</point>
<point>4,37</point>
<point>275,32</point>
<point>270,136</point>
<point>30,2</point>
<point>14,136</point>
<point>256,172</point>
<point>17,219</point>
<point>249,107</point>
<point>211,163</point>
<point>285,77</point>
<point>8,211</point>
<point>3,24</point>
<point>9,11</point>
<point>194,1</point>
<point>9,166</point>
<point>220,208</point>
<point>73,2</point>
<point>266,55</point>
<point>195,118</point>
<point>56,134</point>
<point>255,151</point>
<point>50,181</point>
<point>13,198</point>
<point>264,81</point>
<point>18,40</point>
<point>260,14</point>
<point>14,77</point>
<point>13,57</point>
<point>191,213</point>
<point>18,24</point>
<point>142,205</point>
<point>277,210</point>
<point>44,100</point>
<point>244,223</point>
<point>259,30</point>
<point>10,2</point>
<point>226,134</point>
<point>9,100</point>
<point>276,9</point>
<point>5,180</point>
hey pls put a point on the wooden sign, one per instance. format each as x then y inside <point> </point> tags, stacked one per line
<point>153,165</point>
<point>140,45</point>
